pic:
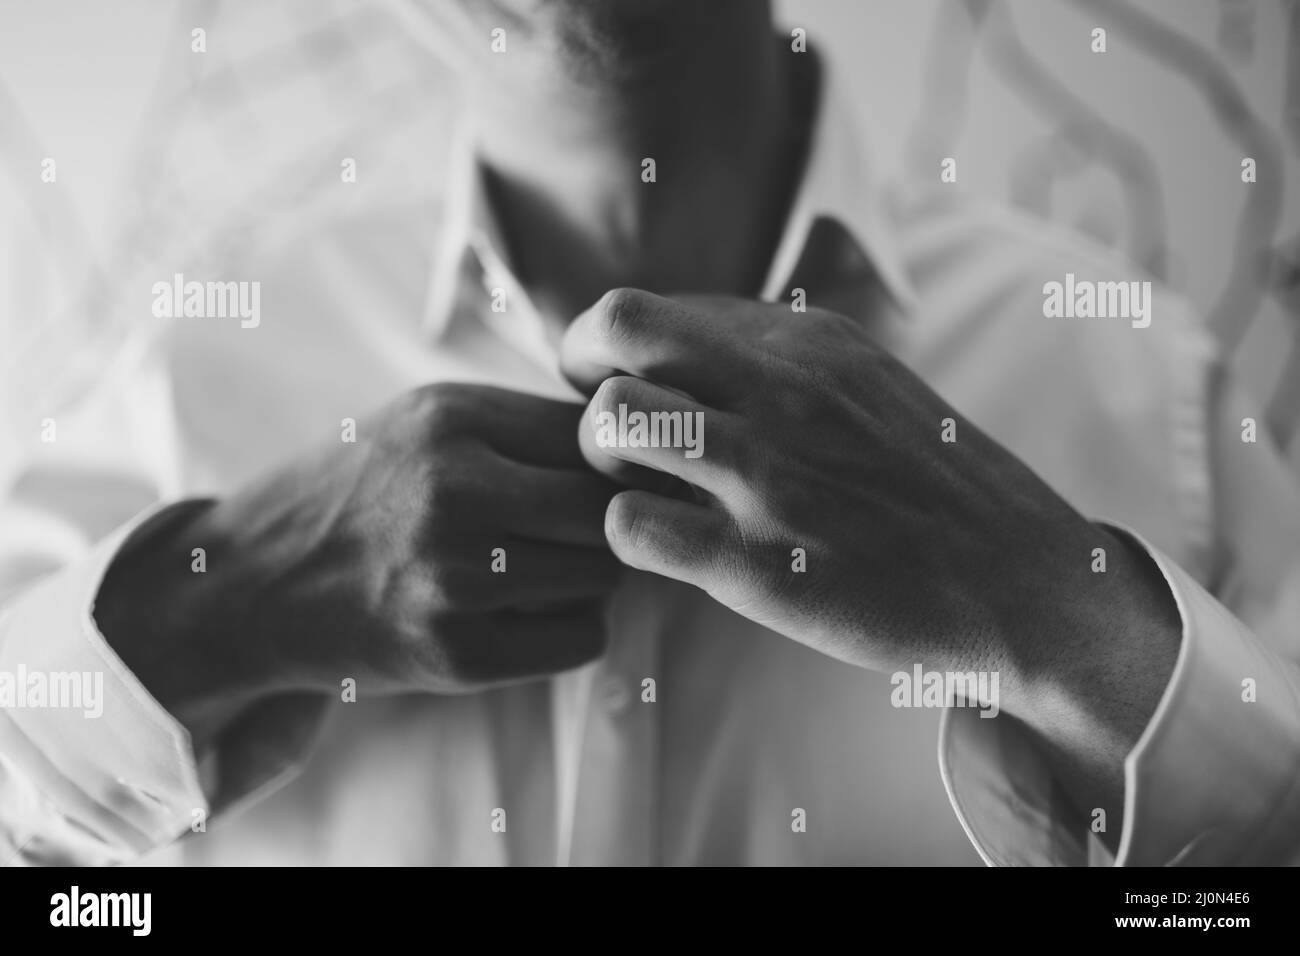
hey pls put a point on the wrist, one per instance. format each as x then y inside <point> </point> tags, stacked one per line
<point>163,609</point>
<point>1102,644</point>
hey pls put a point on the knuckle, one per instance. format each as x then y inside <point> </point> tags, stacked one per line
<point>440,409</point>
<point>454,511</point>
<point>456,485</point>
<point>462,664</point>
<point>443,495</point>
<point>742,567</point>
<point>621,311</point>
<point>746,455</point>
<point>453,658</point>
<point>458,585</point>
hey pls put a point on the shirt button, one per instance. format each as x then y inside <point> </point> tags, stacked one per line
<point>615,695</point>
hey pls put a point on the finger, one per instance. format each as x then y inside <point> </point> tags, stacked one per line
<point>554,506</point>
<point>635,333</point>
<point>529,428</point>
<point>631,420</point>
<point>537,577</point>
<point>672,538</point>
<point>515,646</point>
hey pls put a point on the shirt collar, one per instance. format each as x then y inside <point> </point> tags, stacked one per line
<point>836,184</point>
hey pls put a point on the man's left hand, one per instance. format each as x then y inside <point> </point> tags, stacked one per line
<point>839,501</point>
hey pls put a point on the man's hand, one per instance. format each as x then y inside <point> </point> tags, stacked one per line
<point>953,553</point>
<point>375,560</point>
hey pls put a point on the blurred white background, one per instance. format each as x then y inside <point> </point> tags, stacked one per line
<point>109,89</point>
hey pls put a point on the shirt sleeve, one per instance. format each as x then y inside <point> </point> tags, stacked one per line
<point>1215,777</point>
<point>93,770</point>
<point>99,775</point>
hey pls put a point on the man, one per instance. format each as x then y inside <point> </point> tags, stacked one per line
<point>332,642</point>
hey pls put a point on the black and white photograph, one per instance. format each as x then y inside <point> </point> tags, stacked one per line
<point>650,433</point>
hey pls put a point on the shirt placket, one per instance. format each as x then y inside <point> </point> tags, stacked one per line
<point>616,811</point>
<point>605,736</point>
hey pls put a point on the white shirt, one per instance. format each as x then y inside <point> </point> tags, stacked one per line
<point>1139,427</point>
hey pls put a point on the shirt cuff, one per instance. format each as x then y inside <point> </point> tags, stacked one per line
<point>117,764</point>
<point>1213,780</point>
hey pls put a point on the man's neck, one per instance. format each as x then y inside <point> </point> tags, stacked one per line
<point>564,146</point>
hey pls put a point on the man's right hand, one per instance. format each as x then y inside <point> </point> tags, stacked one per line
<point>374,561</point>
